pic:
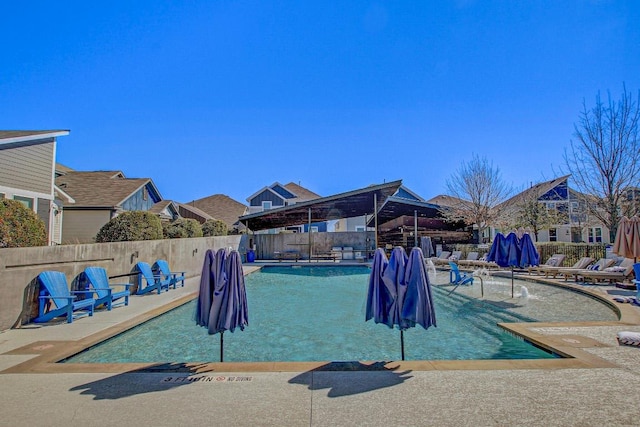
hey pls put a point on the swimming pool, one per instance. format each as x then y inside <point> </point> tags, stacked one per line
<point>317,314</point>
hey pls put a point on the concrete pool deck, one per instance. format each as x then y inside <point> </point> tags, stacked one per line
<point>597,386</point>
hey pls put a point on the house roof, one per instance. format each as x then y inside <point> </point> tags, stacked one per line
<point>104,189</point>
<point>159,207</point>
<point>222,207</point>
<point>534,192</point>
<point>302,193</point>
<point>14,136</point>
<point>446,200</point>
<point>188,211</point>
<point>345,205</point>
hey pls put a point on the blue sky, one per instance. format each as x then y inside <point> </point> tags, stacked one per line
<point>209,97</point>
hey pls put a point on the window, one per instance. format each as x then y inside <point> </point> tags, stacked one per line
<point>553,237</point>
<point>574,206</point>
<point>359,227</point>
<point>145,193</point>
<point>314,228</point>
<point>595,235</point>
<point>266,205</point>
<point>551,205</point>
<point>27,201</point>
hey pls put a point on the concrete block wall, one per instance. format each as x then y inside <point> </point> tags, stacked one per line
<point>19,267</point>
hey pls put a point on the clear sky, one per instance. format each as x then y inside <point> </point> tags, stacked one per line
<point>209,97</point>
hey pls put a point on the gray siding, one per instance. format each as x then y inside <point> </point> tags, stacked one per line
<point>28,167</point>
<point>267,196</point>
<point>82,226</point>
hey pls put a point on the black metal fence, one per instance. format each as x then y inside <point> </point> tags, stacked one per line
<point>572,251</point>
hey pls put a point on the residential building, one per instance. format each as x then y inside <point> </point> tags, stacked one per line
<point>27,171</point>
<point>100,196</point>
<point>277,196</point>
<point>568,206</point>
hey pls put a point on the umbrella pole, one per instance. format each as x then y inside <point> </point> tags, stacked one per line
<point>402,343</point>
<point>512,282</point>
<point>222,346</point>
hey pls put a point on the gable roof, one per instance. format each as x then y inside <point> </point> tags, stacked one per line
<point>303,194</point>
<point>187,211</point>
<point>16,136</point>
<point>101,189</point>
<point>159,207</point>
<point>534,192</point>
<point>222,207</point>
<point>445,200</point>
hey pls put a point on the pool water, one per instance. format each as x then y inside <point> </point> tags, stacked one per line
<point>317,314</point>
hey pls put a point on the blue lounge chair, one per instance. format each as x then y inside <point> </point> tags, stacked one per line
<point>98,282</point>
<point>147,281</point>
<point>636,280</point>
<point>57,300</point>
<point>161,267</point>
<point>458,278</point>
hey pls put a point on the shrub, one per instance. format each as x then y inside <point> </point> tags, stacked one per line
<point>214,227</point>
<point>181,228</point>
<point>131,226</point>
<point>20,226</point>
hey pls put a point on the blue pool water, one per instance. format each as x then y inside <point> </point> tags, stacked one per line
<point>317,314</point>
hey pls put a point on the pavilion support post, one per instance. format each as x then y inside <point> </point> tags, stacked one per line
<point>415,229</point>
<point>375,218</point>
<point>310,254</point>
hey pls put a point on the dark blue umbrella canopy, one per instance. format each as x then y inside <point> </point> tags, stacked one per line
<point>205,294</point>
<point>219,274</point>
<point>512,251</point>
<point>418,302</point>
<point>230,310</point>
<point>399,293</point>
<point>378,297</point>
<point>394,281</point>
<point>529,255</point>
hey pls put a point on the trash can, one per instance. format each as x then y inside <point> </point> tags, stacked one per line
<point>251,255</point>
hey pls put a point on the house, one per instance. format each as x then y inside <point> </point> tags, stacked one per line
<point>277,196</point>
<point>100,196</point>
<point>220,207</point>
<point>187,211</point>
<point>27,171</point>
<point>566,205</point>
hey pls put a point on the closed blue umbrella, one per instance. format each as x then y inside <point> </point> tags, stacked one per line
<point>229,310</point>
<point>418,305</point>
<point>378,297</point>
<point>403,299</point>
<point>512,251</point>
<point>205,294</point>
<point>219,274</point>
<point>529,256</point>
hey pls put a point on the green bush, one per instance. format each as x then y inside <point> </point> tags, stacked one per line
<point>181,228</point>
<point>130,226</point>
<point>20,226</point>
<point>214,227</point>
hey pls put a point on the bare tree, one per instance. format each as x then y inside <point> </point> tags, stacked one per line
<point>604,158</point>
<point>478,188</point>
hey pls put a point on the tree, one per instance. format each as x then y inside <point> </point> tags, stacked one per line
<point>604,157</point>
<point>131,226</point>
<point>182,228</point>
<point>214,227</point>
<point>20,226</point>
<point>478,187</point>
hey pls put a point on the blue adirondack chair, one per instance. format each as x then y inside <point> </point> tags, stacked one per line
<point>161,267</point>
<point>57,300</point>
<point>147,281</point>
<point>98,281</point>
<point>456,277</point>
